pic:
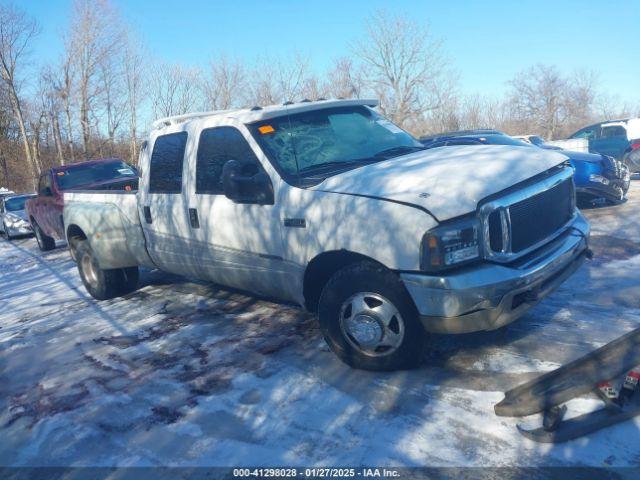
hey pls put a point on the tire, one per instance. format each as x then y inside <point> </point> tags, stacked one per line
<point>103,284</point>
<point>360,338</point>
<point>72,243</point>
<point>632,164</point>
<point>45,242</point>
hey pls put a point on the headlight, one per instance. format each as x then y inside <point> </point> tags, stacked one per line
<point>598,178</point>
<point>451,245</point>
<point>15,221</point>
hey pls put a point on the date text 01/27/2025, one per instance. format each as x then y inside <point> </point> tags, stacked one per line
<point>316,472</point>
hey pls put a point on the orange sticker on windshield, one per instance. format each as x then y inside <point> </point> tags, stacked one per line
<point>266,129</point>
<point>61,174</point>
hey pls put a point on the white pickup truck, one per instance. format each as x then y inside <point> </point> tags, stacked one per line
<point>332,206</point>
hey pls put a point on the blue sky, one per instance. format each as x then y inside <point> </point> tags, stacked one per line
<point>487,41</point>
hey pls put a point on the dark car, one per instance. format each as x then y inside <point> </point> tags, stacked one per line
<point>596,176</point>
<point>13,219</point>
<point>45,210</point>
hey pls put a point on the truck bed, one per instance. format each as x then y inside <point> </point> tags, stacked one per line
<point>110,221</point>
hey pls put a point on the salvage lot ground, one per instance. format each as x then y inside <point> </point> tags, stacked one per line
<point>184,373</point>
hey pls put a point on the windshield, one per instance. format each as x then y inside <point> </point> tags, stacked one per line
<point>93,173</point>
<point>16,204</point>
<point>320,143</point>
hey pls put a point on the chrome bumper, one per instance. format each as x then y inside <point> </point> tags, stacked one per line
<point>491,295</point>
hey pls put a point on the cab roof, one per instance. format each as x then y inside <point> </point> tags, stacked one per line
<point>257,113</point>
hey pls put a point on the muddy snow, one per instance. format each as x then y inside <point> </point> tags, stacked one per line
<point>184,373</point>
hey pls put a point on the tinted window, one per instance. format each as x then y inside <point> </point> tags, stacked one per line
<point>45,181</point>
<point>15,204</point>
<point>587,133</point>
<point>216,147</point>
<point>85,175</point>
<point>614,131</point>
<point>165,175</point>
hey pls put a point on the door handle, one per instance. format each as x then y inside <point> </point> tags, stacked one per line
<point>193,218</point>
<point>147,214</point>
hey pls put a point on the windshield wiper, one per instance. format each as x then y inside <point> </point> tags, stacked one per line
<point>396,151</point>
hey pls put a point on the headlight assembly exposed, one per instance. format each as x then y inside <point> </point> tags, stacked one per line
<point>599,179</point>
<point>15,221</point>
<point>451,244</point>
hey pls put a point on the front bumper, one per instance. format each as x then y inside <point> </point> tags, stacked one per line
<point>491,295</point>
<point>614,191</point>
<point>16,230</point>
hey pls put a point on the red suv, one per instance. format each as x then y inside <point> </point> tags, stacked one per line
<point>45,210</point>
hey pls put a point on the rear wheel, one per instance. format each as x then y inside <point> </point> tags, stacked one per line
<point>100,283</point>
<point>369,320</point>
<point>45,242</point>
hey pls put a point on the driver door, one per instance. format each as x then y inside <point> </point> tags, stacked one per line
<point>240,243</point>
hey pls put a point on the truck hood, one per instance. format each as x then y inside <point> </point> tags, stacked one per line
<point>447,181</point>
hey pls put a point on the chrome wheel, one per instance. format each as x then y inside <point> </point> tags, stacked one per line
<point>371,324</point>
<point>89,269</point>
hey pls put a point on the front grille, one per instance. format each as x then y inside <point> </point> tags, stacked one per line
<point>529,221</point>
<point>537,217</point>
<point>495,232</point>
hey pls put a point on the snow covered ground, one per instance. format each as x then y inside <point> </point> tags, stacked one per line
<point>187,374</point>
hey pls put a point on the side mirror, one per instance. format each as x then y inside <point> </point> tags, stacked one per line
<point>246,183</point>
<point>46,191</point>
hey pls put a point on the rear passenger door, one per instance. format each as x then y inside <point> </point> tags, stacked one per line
<point>241,244</point>
<point>162,204</point>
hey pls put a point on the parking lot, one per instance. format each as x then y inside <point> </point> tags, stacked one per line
<point>183,373</point>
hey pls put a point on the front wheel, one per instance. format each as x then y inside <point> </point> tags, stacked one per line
<point>100,283</point>
<point>369,320</point>
<point>45,242</point>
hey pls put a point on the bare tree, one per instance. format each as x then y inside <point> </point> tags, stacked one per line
<point>134,84</point>
<point>345,79</point>
<point>581,96</point>
<point>96,37</point>
<point>114,98</point>
<point>278,80</point>
<point>16,33</point>
<point>175,90</point>
<point>52,106</point>
<point>313,88</point>
<point>224,86</point>
<point>539,96</point>
<point>64,85</point>
<point>404,64</point>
